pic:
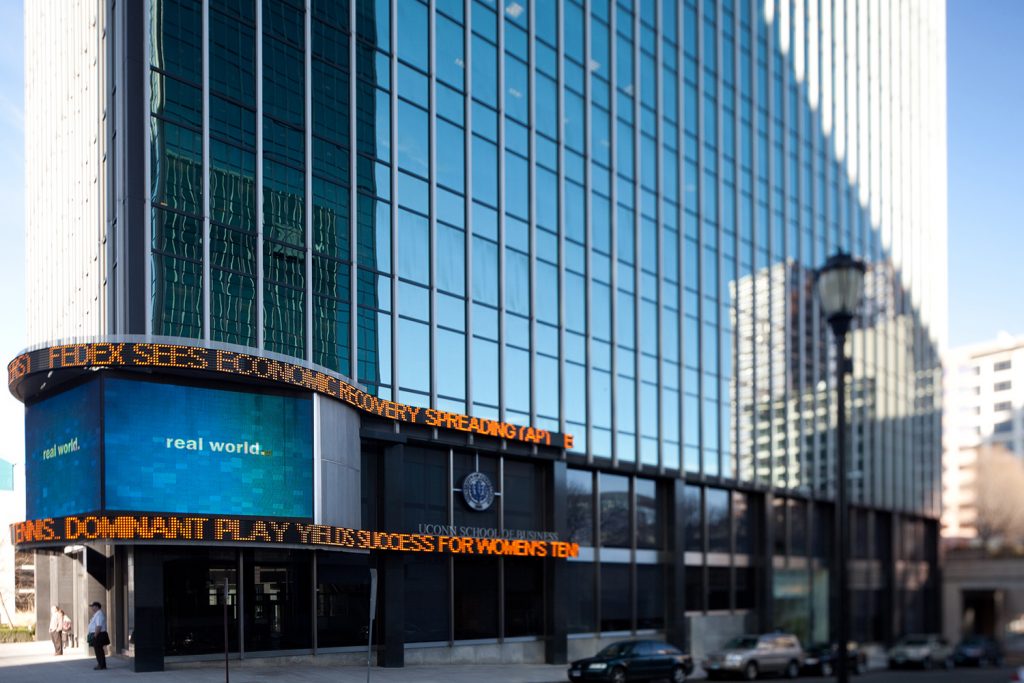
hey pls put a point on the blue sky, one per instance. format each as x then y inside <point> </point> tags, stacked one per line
<point>985,56</point>
<point>986,182</point>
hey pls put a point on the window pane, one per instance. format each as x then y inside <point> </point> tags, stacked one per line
<point>648,515</point>
<point>650,597</point>
<point>476,600</point>
<point>342,600</point>
<point>426,599</point>
<point>581,605</point>
<point>615,597</point>
<point>580,494</point>
<point>718,520</point>
<point>718,588</point>
<point>524,598</point>
<point>614,510</point>
<point>694,531</point>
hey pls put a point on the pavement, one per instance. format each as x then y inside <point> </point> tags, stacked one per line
<point>34,662</point>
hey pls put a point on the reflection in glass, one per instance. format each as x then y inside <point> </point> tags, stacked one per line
<point>719,521</point>
<point>616,597</point>
<point>580,506</point>
<point>278,608</point>
<point>614,510</point>
<point>693,520</point>
<point>426,599</point>
<point>476,599</point>
<point>193,599</point>
<point>342,600</point>
<point>650,597</point>
<point>581,606</point>
<point>648,514</point>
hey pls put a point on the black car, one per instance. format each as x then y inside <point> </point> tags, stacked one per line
<point>821,659</point>
<point>978,651</point>
<point>634,660</point>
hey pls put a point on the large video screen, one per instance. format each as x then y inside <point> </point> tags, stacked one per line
<point>62,453</point>
<point>171,448</point>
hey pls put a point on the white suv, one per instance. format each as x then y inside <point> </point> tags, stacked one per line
<point>751,656</point>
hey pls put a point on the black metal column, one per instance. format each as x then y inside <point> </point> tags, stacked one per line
<point>675,627</point>
<point>147,578</point>
<point>842,526</point>
<point>766,552</point>
<point>556,584</point>
<point>392,565</point>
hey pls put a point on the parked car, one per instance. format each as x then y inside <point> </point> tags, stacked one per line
<point>821,659</point>
<point>978,651</point>
<point>751,655</point>
<point>923,650</point>
<point>634,660</point>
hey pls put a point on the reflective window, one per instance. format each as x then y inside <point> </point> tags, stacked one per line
<point>694,519</point>
<point>426,598</point>
<point>616,597</point>
<point>719,521</point>
<point>648,514</point>
<point>614,509</point>
<point>278,607</point>
<point>581,606</point>
<point>342,600</point>
<point>650,596</point>
<point>580,506</point>
<point>476,600</point>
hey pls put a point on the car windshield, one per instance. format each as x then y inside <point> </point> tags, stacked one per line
<point>741,643</point>
<point>616,650</point>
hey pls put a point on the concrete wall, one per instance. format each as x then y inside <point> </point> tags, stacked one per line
<point>528,652</point>
<point>338,466</point>
<point>977,571</point>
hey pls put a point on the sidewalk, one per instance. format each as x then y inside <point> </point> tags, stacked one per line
<point>34,662</point>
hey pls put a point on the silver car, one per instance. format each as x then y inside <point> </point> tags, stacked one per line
<point>750,656</point>
<point>923,650</point>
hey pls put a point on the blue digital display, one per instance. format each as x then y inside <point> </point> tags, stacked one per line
<point>171,448</point>
<point>62,453</point>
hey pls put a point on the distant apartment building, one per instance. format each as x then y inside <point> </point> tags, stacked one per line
<point>984,410</point>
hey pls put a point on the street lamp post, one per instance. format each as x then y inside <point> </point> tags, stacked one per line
<point>840,283</point>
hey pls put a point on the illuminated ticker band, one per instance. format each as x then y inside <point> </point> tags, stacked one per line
<point>55,532</point>
<point>223,362</point>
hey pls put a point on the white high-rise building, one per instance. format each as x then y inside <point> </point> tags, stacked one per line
<point>984,408</point>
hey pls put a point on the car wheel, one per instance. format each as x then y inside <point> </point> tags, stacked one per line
<point>793,669</point>
<point>618,675</point>
<point>750,671</point>
<point>678,675</point>
<point>826,669</point>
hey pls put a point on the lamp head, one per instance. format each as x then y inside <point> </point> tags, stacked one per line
<point>840,284</point>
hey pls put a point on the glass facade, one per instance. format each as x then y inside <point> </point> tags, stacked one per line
<point>601,218</point>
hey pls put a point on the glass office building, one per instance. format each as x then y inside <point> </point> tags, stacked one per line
<point>599,218</point>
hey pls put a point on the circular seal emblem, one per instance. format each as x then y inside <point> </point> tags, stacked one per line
<point>478,491</point>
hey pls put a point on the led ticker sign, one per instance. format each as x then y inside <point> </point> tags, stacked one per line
<point>236,530</point>
<point>223,362</point>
